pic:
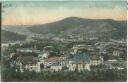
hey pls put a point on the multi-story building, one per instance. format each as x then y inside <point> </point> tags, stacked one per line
<point>79,63</point>
<point>28,63</point>
<point>96,60</point>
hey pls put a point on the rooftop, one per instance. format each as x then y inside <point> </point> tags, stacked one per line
<point>54,59</point>
<point>27,59</point>
<point>81,58</point>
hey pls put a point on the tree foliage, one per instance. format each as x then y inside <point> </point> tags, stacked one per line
<point>65,76</point>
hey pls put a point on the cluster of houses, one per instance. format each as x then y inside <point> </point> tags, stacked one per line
<point>81,57</point>
<point>79,61</point>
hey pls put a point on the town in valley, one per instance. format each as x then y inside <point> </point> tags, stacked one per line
<point>71,53</point>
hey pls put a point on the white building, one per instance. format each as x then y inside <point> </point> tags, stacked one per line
<point>4,45</point>
<point>56,67</point>
<point>29,63</point>
<point>27,50</point>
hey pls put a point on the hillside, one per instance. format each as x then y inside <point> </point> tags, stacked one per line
<point>11,36</point>
<point>20,29</point>
<point>80,26</point>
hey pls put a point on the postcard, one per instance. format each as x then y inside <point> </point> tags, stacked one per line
<point>64,41</point>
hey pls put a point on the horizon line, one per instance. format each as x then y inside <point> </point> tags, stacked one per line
<point>59,20</point>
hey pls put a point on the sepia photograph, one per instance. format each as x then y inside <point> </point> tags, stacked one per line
<point>64,41</point>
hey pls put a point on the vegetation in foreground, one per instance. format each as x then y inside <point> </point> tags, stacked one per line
<point>110,75</point>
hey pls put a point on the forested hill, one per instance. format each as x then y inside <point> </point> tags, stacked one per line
<point>11,36</point>
<point>76,25</point>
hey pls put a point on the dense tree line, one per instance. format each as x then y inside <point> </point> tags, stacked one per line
<point>9,74</point>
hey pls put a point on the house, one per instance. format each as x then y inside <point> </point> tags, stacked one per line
<point>11,55</point>
<point>119,52</point>
<point>112,60</point>
<point>78,47</point>
<point>56,67</point>
<point>63,60</point>
<point>80,62</point>
<point>30,39</point>
<point>43,55</point>
<point>110,64</point>
<point>51,60</point>
<point>29,63</point>
<point>96,60</point>
<point>27,50</point>
<point>82,48</point>
<point>4,45</point>
<point>116,53</point>
<point>48,48</point>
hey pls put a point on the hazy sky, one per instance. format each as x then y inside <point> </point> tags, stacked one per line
<point>29,13</point>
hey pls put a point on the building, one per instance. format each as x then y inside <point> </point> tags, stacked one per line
<point>82,48</point>
<point>76,48</point>
<point>43,55</point>
<point>119,52</point>
<point>116,53</point>
<point>63,60</point>
<point>56,67</point>
<point>115,64</point>
<point>11,55</point>
<point>28,63</point>
<point>79,63</point>
<point>96,60</point>
<point>4,45</point>
<point>51,60</point>
<point>30,39</point>
<point>27,50</point>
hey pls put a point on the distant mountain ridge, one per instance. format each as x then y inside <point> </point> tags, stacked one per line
<point>76,25</point>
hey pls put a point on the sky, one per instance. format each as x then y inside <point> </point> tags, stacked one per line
<point>41,12</point>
